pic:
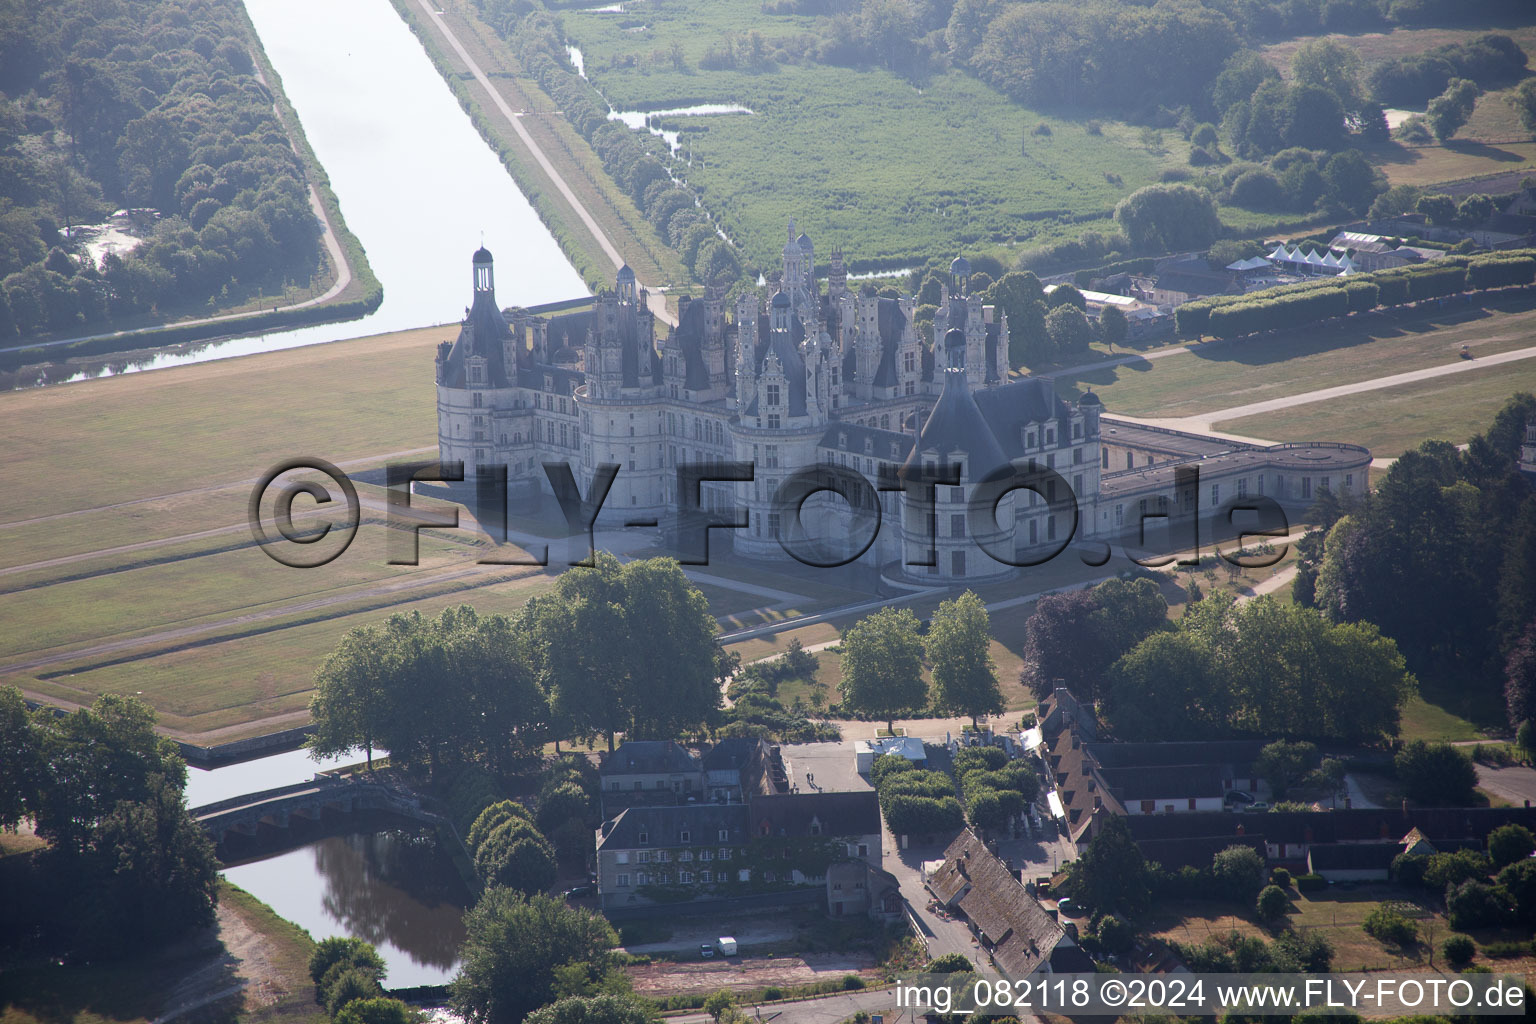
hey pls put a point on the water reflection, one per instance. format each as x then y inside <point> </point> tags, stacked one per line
<point>395,888</point>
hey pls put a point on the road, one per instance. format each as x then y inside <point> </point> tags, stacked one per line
<point>823,1010</point>
<point>1517,785</point>
<point>434,17</point>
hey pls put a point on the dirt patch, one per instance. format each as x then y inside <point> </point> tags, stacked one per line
<point>749,972</point>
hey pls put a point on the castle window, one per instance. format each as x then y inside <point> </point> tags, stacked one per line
<point>908,362</point>
<point>1050,435</point>
<point>911,388</point>
<point>1077,431</point>
<point>1130,461</point>
<point>476,374</point>
<point>1029,439</point>
<point>773,394</point>
<point>1349,481</point>
<point>1215,494</point>
<point>1242,487</point>
<point>1119,516</point>
<point>773,524</point>
<point>1306,487</point>
<point>773,421</point>
<point>1077,456</point>
<point>1106,458</point>
<point>478,398</point>
<point>957,524</point>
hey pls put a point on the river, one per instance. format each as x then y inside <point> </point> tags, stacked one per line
<point>417,184</point>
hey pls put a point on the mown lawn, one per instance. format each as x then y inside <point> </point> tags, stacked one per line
<point>1223,375</point>
<point>1389,421</point>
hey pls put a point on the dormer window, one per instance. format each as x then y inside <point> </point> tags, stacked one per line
<point>477,375</point>
<point>684,837</point>
<point>724,835</point>
<point>815,827</point>
<point>1050,435</point>
<point>1029,439</point>
<point>773,394</point>
<point>645,837</point>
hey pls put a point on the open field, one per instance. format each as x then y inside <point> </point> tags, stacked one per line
<point>893,173</point>
<point>1218,375</point>
<point>1392,420</point>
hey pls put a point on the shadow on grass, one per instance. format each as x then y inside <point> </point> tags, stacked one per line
<point>1467,147</point>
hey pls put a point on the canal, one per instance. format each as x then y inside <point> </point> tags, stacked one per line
<point>377,878</point>
<point>417,184</point>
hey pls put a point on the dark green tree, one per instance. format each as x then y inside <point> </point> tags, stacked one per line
<point>1111,874</point>
<point>1165,218</point>
<point>513,946</point>
<point>378,1010</point>
<point>958,647</point>
<point>883,666</point>
<point>1113,326</point>
<point>1436,775</point>
<point>609,1009</point>
<point>1508,844</point>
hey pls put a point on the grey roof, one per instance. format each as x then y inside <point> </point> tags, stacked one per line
<point>482,255</point>
<point>1186,752</point>
<point>1010,407</point>
<point>956,424</point>
<point>734,752</point>
<point>850,437</point>
<point>890,322</point>
<point>960,265</point>
<point>689,335</point>
<point>1353,856</point>
<point>664,826</point>
<point>1177,782</point>
<point>780,300</point>
<point>804,241</point>
<point>648,757</point>
<point>482,334</point>
<point>626,274</point>
<point>791,362</point>
<point>838,814</point>
<point>1016,928</point>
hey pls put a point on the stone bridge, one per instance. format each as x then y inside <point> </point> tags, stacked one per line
<point>311,801</point>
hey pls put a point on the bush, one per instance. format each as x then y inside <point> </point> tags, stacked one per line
<point>1479,905</point>
<point>1436,775</point>
<point>1281,877</point>
<point>1386,924</point>
<point>1458,950</point>
<point>1409,868</point>
<point>852,983</point>
<point>1116,936</point>
<point>1311,883</point>
<point>951,963</point>
<point>1239,872</point>
<point>1510,843</point>
<point>1272,904</point>
<point>1448,869</point>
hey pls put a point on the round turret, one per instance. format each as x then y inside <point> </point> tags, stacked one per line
<point>960,267</point>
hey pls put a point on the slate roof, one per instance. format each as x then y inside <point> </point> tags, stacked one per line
<point>482,333</point>
<point>648,757</point>
<point>1151,782</point>
<point>689,336</point>
<point>956,424</point>
<point>850,437</point>
<point>1353,856</point>
<point>1128,755</point>
<point>839,814</point>
<point>664,826</point>
<point>1011,407</point>
<point>734,753</point>
<point>1018,931</point>
<point>786,346</point>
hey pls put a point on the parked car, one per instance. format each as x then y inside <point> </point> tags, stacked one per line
<point>706,951</point>
<point>1237,796</point>
<point>578,891</point>
<point>1259,806</point>
<point>1066,907</point>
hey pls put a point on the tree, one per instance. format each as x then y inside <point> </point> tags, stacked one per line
<point>1475,904</point>
<point>1508,844</point>
<point>1352,182</point>
<point>1166,687</point>
<point>603,1009</point>
<point>349,707</point>
<point>1238,872</point>
<point>516,854</point>
<point>1458,950</point>
<point>718,1002</point>
<point>151,875</point>
<point>96,758</point>
<point>1523,99</point>
<point>1284,764</point>
<point>1520,679</point>
<point>347,985</point>
<point>378,1010</point>
<point>958,647</point>
<point>1113,327</point>
<point>1436,775</point>
<point>1111,874</point>
<point>1168,218</point>
<point>512,947</point>
<point>1314,118</point>
<point>1440,209</point>
<point>1065,295</point>
<point>1331,65</point>
<point>1474,209</point>
<point>1273,904</point>
<point>19,753</point>
<point>1452,108</point>
<point>346,952</point>
<point>882,666</point>
<point>1069,330</point>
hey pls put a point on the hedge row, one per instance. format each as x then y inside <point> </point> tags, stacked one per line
<point>1289,306</point>
<point>1141,265</point>
<point>915,801</point>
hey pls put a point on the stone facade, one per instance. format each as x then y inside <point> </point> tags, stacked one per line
<point>814,378</point>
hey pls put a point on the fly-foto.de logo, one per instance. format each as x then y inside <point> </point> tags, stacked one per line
<point>823,516</point>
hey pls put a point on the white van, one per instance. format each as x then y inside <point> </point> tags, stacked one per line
<point>727,945</point>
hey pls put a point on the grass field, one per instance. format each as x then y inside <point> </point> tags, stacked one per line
<point>1392,420</point>
<point>1222,375</point>
<point>1492,140</point>
<point>894,173</point>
